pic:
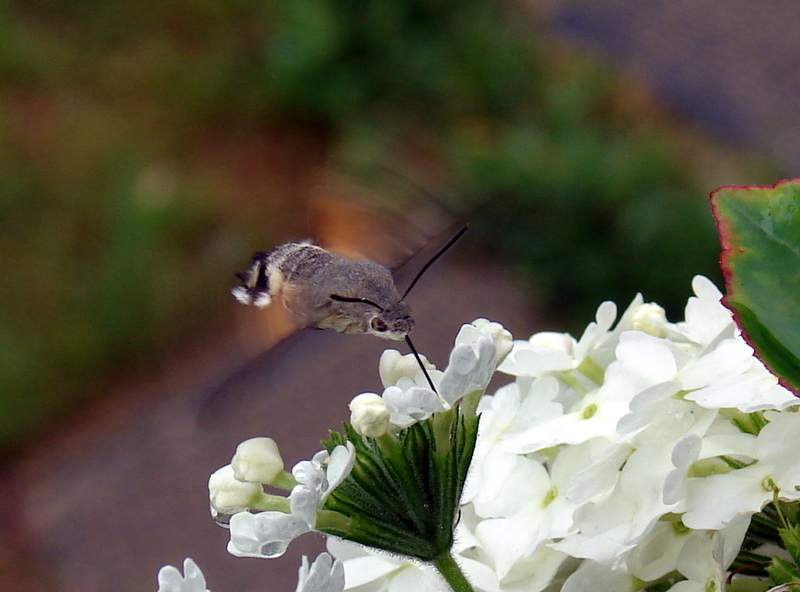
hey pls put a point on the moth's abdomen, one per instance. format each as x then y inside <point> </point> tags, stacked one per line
<point>300,262</point>
<point>265,279</point>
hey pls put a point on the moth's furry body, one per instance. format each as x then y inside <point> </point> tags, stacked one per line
<point>311,282</point>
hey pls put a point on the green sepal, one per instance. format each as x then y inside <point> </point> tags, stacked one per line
<point>403,492</point>
<point>782,572</point>
<point>791,542</point>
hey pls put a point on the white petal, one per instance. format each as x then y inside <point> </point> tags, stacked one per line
<point>340,464</point>
<point>593,576</point>
<point>601,476</point>
<point>705,316</point>
<point>410,406</point>
<point>716,501</point>
<point>527,360</point>
<point>657,555</point>
<point>648,356</point>
<point>266,534</point>
<point>393,366</point>
<point>369,568</point>
<point>304,503</point>
<point>324,575</point>
<point>170,579</point>
<point>310,474</point>
<point>596,333</point>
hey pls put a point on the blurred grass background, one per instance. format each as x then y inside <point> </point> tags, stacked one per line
<point>139,143</point>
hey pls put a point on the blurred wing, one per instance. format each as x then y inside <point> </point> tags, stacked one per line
<point>268,372</point>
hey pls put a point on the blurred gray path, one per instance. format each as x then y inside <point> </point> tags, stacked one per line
<point>731,65</point>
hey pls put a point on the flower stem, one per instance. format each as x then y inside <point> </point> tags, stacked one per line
<point>284,480</point>
<point>450,571</point>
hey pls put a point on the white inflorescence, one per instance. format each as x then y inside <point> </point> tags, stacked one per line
<point>603,465</point>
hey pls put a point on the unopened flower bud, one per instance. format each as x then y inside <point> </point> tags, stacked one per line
<point>650,318</point>
<point>369,415</point>
<point>257,460</point>
<point>393,366</point>
<point>562,342</point>
<point>228,495</point>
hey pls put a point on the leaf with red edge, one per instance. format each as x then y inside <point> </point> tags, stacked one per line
<point>759,227</point>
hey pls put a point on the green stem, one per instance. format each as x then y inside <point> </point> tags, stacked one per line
<point>592,370</point>
<point>284,480</point>
<point>777,504</point>
<point>450,571</point>
<point>271,503</point>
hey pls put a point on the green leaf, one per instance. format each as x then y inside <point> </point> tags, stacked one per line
<point>759,227</point>
<point>782,362</point>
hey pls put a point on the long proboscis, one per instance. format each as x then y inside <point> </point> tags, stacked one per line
<point>421,365</point>
<point>408,339</point>
<point>433,259</point>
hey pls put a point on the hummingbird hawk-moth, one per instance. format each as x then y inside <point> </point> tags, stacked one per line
<point>324,290</point>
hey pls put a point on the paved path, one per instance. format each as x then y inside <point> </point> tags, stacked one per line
<point>731,65</point>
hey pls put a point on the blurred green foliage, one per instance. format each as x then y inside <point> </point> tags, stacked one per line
<point>121,220</point>
<point>590,205</point>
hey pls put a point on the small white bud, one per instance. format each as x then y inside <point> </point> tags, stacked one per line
<point>561,342</point>
<point>369,415</point>
<point>650,318</point>
<point>257,460</point>
<point>503,340</point>
<point>228,495</point>
<point>393,366</point>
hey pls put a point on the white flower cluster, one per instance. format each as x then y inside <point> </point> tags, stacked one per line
<point>407,397</point>
<point>612,461</point>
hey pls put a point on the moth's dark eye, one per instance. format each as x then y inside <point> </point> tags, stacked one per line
<point>378,324</point>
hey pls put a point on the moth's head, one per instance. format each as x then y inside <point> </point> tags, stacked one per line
<point>393,323</point>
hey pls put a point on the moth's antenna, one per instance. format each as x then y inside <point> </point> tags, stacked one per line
<point>433,259</point>
<point>408,339</point>
<point>421,365</point>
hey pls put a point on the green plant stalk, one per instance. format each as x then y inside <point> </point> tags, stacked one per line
<point>455,578</point>
<point>284,481</point>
